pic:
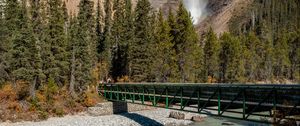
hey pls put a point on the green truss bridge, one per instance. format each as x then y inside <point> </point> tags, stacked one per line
<point>263,103</point>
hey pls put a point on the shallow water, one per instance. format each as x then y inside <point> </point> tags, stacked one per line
<point>217,121</point>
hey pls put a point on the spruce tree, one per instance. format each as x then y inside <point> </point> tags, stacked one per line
<point>294,55</point>
<point>119,41</point>
<point>281,56</point>
<point>37,27</point>
<point>185,38</point>
<point>107,36</point>
<point>128,35</point>
<point>3,45</point>
<point>139,49</point>
<point>25,61</point>
<point>12,12</point>
<point>252,60</point>
<point>99,29</point>
<point>164,65</point>
<point>83,47</point>
<point>231,66</point>
<point>211,54</point>
<point>56,63</point>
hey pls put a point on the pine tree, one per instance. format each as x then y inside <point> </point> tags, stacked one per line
<point>82,43</point>
<point>37,27</point>
<point>119,41</point>
<point>12,12</point>
<point>211,54</point>
<point>106,55</point>
<point>268,60</point>
<point>139,49</point>
<point>128,35</point>
<point>99,29</point>
<point>172,23</point>
<point>56,63</point>
<point>185,38</point>
<point>251,58</point>
<point>231,66</point>
<point>164,65</point>
<point>3,45</point>
<point>24,63</point>
<point>281,56</point>
<point>294,55</point>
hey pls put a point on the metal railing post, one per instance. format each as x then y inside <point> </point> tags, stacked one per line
<point>167,98</point>
<point>219,101</point>
<point>143,95</point>
<point>181,98</point>
<point>198,99</point>
<point>244,103</point>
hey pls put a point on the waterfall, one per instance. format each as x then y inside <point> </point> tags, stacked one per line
<point>197,8</point>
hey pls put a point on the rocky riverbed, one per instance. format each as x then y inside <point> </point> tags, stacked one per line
<point>155,117</point>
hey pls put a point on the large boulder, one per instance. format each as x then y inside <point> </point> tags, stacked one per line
<point>176,115</point>
<point>198,118</point>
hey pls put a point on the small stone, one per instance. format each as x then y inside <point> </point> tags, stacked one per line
<point>227,123</point>
<point>177,115</point>
<point>97,111</point>
<point>286,122</point>
<point>197,118</point>
<point>189,116</point>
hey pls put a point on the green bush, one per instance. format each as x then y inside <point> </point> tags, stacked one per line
<point>43,115</point>
<point>51,90</point>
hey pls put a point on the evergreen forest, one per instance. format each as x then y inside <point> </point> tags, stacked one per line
<point>43,45</point>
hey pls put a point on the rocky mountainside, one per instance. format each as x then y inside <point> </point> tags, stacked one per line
<point>220,11</point>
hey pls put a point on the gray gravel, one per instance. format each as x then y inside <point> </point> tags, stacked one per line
<point>154,117</point>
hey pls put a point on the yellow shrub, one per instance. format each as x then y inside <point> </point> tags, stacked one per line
<point>8,93</point>
<point>15,106</point>
<point>123,79</point>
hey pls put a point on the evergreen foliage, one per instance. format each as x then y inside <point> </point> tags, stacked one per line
<point>56,63</point>
<point>41,45</point>
<point>231,63</point>
<point>164,66</point>
<point>140,48</point>
<point>211,54</point>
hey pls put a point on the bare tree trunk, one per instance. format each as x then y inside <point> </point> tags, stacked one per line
<point>32,87</point>
<point>72,81</point>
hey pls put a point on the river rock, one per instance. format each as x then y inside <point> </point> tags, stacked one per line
<point>189,116</point>
<point>228,123</point>
<point>286,122</point>
<point>176,115</point>
<point>198,118</point>
<point>98,111</point>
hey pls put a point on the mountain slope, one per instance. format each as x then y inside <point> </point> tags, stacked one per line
<point>220,11</point>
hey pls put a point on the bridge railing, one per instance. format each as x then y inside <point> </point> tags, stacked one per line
<point>247,102</point>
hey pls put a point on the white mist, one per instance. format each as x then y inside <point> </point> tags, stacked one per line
<point>197,8</point>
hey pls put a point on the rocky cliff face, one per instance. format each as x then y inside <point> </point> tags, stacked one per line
<point>219,11</point>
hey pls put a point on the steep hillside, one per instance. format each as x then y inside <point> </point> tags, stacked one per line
<point>220,11</point>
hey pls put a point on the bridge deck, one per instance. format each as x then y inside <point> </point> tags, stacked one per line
<point>274,101</point>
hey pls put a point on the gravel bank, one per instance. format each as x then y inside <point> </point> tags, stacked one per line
<point>156,117</point>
